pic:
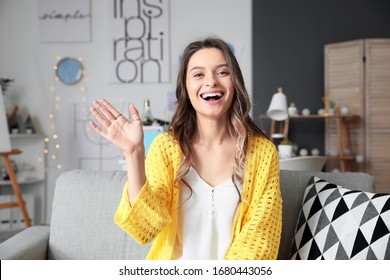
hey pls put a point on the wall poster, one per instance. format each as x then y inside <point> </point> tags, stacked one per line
<point>64,21</point>
<point>139,41</point>
<point>90,151</point>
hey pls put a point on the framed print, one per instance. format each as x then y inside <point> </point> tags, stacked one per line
<point>64,21</point>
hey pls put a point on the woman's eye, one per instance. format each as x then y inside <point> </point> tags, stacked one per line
<point>198,75</point>
<point>223,73</point>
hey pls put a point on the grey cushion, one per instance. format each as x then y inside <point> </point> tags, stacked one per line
<point>82,222</point>
<point>293,184</point>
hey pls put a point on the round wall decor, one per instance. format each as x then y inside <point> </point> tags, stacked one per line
<point>69,70</point>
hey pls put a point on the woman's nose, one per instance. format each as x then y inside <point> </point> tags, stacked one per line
<point>212,81</point>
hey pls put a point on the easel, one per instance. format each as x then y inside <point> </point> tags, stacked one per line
<point>19,199</point>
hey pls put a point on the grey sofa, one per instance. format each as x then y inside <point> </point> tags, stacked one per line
<point>84,204</point>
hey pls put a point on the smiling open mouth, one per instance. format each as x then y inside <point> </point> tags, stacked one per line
<point>211,96</point>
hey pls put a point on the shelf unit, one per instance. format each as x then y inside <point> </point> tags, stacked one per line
<point>341,123</point>
<point>31,176</point>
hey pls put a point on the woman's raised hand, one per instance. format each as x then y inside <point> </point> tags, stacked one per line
<point>116,128</point>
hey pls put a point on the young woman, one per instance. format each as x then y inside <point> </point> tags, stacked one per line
<point>209,187</point>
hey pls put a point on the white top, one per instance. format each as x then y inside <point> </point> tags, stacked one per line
<point>206,217</point>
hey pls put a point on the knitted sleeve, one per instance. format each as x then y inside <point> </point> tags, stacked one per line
<point>258,235</point>
<point>150,213</point>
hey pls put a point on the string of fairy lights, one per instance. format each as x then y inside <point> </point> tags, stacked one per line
<point>59,94</point>
<point>53,140</point>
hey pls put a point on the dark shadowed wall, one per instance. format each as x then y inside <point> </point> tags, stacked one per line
<point>288,51</point>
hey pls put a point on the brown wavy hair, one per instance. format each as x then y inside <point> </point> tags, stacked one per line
<point>183,126</point>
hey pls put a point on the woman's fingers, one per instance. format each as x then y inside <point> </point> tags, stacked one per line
<point>112,125</point>
<point>100,117</point>
<point>106,115</point>
<point>134,113</point>
<point>97,129</point>
<point>105,109</point>
<point>114,112</point>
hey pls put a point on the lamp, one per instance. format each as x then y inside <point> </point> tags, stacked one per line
<point>278,107</point>
<point>5,143</point>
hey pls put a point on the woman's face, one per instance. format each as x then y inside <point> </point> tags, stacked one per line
<point>209,83</point>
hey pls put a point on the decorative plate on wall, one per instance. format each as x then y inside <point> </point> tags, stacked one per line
<point>69,70</point>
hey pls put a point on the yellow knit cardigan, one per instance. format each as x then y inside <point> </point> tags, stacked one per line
<point>154,215</point>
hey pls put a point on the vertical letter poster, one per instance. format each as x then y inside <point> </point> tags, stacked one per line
<point>139,41</point>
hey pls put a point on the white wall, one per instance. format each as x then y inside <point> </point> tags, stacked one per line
<point>30,62</point>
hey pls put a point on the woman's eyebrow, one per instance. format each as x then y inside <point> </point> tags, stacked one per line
<point>223,65</point>
<point>196,68</point>
<point>201,67</point>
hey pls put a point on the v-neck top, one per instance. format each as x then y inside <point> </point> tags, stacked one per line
<point>206,217</point>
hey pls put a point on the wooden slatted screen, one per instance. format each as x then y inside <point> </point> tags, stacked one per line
<point>377,91</point>
<point>344,85</point>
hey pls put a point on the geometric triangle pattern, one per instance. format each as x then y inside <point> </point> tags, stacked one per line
<point>336,223</point>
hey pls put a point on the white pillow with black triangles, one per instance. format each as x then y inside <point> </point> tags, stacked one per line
<point>336,223</point>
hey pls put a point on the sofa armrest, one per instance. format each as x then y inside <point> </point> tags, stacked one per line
<point>29,244</point>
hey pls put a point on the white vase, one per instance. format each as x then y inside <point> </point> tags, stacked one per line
<point>285,151</point>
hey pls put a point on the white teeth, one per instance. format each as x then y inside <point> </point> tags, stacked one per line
<point>210,95</point>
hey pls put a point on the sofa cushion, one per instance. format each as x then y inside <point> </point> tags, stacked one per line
<point>293,184</point>
<point>339,223</point>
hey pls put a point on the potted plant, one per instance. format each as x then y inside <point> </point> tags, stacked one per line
<point>285,148</point>
<point>5,83</point>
